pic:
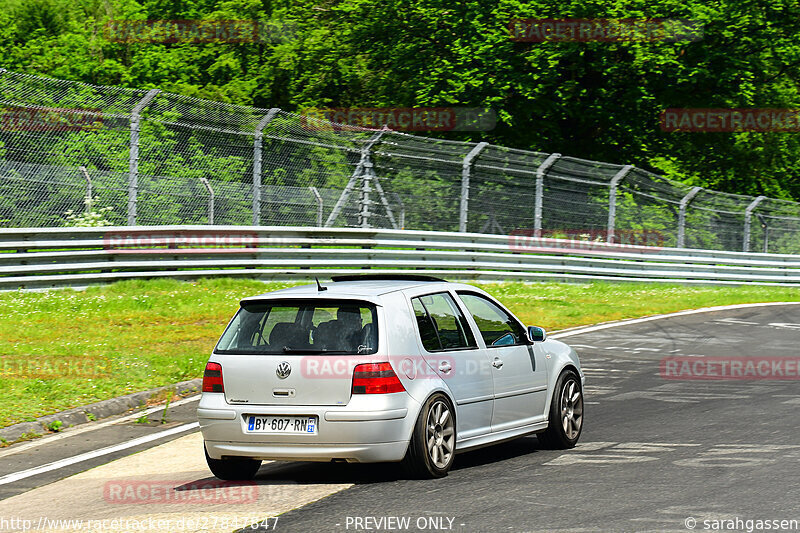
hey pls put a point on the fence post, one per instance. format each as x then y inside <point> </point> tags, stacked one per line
<point>362,164</point>
<point>748,215</point>
<point>88,201</point>
<point>257,143</point>
<point>320,206</point>
<point>364,212</point>
<point>537,210</point>
<point>366,179</point>
<point>399,200</point>
<point>466,166</point>
<point>682,214</point>
<point>765,227</point>
<point>210,200</point>
<point>612,201</point>
<point>133,161</point>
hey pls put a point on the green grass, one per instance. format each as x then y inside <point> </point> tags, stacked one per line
<point>137,335</point>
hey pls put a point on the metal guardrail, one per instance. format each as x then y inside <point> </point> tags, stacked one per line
<point>58,257</point>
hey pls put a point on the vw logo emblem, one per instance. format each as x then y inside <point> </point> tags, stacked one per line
<point>283,370</point>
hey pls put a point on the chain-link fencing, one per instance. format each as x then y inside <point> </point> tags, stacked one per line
<point>70,149</point>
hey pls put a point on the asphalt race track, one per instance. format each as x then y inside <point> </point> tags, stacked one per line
<point>656,454</point>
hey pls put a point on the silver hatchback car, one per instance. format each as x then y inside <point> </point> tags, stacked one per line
<point>382,368</point>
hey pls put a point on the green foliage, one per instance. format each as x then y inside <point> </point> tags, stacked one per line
<point>93,216</point>
<point>595,100</point>
<point>164,412</point>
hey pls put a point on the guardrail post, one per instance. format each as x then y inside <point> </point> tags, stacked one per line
<point>748,215</point>
<point>320,206</point>
<point>210,200</point>
<point>612,201</point>
<point>537,210</point>
<point>133,161</point>
<point>682,214</point>
<point>88,201</point>
<point>257,144</point>
<point>466,166</point>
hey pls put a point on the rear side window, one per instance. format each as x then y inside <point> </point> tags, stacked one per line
<point>497,327</point>
<point>441,324</point>
<point>303,327</point>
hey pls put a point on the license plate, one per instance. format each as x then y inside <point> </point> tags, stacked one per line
<point>306,425</point>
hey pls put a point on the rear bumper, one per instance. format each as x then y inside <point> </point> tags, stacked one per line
<point>352,453</point>
<point>368,429</point>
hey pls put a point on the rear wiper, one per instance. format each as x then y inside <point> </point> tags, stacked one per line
<point>286,349</point>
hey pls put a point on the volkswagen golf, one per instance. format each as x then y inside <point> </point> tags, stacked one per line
<point>382,368</point>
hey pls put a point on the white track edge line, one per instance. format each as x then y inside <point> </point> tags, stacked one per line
<point>61,463</point>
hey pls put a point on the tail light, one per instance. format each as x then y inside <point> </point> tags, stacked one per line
<point>376,378</point>
<point>212,378</point>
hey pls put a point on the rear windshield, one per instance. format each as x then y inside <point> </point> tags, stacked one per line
<point>303,327</point>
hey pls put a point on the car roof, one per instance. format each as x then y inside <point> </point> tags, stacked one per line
<point>366,288</point>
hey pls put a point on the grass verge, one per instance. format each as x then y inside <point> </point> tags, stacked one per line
<point>62,349</point>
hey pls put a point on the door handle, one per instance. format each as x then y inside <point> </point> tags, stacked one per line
<point>497,363</point>
<point>445,367</point>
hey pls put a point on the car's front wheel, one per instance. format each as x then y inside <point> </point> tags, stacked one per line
<point>233,469</point>
<point>566,413</point>
<point>433,443</point>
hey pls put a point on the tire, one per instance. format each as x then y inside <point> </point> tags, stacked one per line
<point>234,469</point>
<point>566,414</point>
<point>431,450</point>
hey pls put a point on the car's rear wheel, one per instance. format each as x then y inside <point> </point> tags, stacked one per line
<point>233,469</point>
<point>433,444</point>
<point>566,413</point>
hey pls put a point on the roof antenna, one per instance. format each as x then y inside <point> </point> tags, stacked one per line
<point>319,286</point>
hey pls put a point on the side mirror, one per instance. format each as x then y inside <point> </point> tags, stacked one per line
<point>536,334</point>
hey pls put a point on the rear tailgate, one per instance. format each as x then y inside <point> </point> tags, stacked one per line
<point>296,351</point>
<point>309,379</point>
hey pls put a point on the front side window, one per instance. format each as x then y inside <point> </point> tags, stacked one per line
<point>442,326</point>
<point>304,327</point>
<point>497,327</point>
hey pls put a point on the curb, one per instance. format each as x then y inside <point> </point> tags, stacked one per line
<point>102,409</point>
